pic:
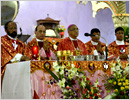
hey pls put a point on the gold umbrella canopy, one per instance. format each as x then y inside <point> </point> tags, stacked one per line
<point>9,11</point>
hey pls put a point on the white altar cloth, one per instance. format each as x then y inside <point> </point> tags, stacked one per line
<point>16,82</point>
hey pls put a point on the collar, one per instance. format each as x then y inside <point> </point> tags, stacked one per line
<point>39,40</point>
<point>12,38</point>
<point>120,42</point>
<point>94,43</point>
<point>72,38</point>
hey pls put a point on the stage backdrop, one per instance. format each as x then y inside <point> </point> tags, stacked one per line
<point>69,12</point>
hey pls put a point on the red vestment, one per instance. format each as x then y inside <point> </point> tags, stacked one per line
<point>90,47</point>
<point>34,42</point>
<point>114,49</point>
<point>8,52</point>
<point>67,44</point>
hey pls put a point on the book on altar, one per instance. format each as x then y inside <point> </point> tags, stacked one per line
<point>121,49</point>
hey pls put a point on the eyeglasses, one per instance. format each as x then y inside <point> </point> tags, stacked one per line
<point>74,29</point>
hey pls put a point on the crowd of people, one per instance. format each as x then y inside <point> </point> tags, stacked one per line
<point>12,49</point>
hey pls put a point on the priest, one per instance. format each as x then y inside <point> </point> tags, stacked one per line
<point>12,49</point>
<point>95,46</point>
<point>38,49</point>
<point>119,48</point>
<point>72,43</point>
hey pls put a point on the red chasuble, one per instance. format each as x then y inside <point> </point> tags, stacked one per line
<point>116,50</point>
<point>8,52</point>
<point>90,47</point>
<point>67,44</point>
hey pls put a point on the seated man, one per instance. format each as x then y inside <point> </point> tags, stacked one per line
<point>119,48</point>
<point>72,43</point>
<point>12,49</point>
<point>43,47</point>
<point>94,46</point>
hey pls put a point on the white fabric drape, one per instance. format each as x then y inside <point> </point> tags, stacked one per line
<point>16,82</point>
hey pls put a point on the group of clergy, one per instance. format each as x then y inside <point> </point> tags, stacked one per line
<point>13,49</point>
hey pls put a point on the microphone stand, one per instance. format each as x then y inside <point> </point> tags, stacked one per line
<point>21,36</point>
<point>106,50</point>
<point>20,31</point>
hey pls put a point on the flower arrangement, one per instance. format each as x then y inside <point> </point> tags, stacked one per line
<point>119,82</point>
<point>60,28</point>
<point>91,91</point>
<point>73,82</point>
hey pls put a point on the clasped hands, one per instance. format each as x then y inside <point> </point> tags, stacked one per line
<point>46,48</point>
<point>99,48</point>
<point>46,45</point>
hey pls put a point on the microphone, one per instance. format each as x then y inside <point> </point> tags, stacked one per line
<point>87,34</point>
<point>106,50</point>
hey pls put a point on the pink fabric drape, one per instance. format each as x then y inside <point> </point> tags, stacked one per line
<point>46,91</point>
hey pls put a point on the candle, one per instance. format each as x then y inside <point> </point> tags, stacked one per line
<point>35,50</point>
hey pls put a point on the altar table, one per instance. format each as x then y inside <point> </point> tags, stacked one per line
<point>23,78</point>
